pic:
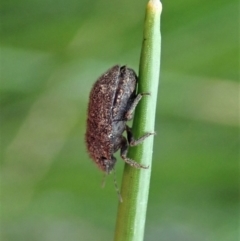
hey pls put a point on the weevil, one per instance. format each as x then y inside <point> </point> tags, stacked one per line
<point>112,101</point>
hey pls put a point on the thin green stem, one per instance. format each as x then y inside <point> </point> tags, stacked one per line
<point>135,183</point>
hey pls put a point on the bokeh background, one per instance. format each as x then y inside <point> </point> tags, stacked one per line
<point>51,53</point>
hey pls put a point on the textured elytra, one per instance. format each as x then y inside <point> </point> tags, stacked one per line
<point>112,100</point>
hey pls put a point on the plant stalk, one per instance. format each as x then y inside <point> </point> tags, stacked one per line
<point>135,183</point>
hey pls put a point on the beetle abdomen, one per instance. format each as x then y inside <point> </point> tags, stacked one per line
<point>99,122</point>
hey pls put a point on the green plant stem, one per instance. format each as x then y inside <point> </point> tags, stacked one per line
<point>135,183</point>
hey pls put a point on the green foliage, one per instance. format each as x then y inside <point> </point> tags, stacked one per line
<point>51,54</point>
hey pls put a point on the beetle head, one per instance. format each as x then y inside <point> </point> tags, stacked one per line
<point>108,165</point>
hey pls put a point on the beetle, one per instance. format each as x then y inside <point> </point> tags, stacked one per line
<point>112,101</point>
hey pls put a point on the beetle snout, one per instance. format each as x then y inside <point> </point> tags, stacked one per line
<point>109,164</point>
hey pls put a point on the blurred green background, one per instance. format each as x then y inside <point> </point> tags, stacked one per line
<point>51,54</point>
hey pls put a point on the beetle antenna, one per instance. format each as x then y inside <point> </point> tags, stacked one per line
<point>104,180</point>
<point>116,186</point>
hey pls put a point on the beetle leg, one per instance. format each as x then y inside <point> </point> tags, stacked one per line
<point>132,141</point>
<point>124,150</point>
<point>129,113</point>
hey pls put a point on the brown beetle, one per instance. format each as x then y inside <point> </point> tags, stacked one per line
<point>113,99</point>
